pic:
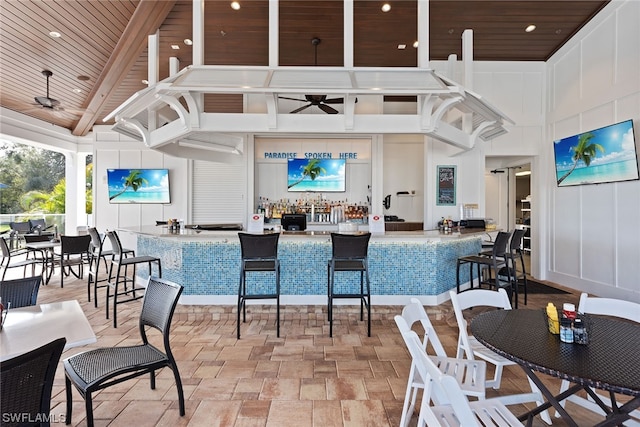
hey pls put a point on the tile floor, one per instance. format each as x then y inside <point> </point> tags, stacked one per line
<point>303,378</point>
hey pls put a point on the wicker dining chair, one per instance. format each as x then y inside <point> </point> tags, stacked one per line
<point>20,292</point>
<point>101,368</point>
<point>26,381</point>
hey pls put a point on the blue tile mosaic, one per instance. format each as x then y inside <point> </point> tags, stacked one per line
<point>412,267</point>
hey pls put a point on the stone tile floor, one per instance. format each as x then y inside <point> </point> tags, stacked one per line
<point>303,378</point>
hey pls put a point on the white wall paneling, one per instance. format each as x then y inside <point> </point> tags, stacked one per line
<point>595,81</point>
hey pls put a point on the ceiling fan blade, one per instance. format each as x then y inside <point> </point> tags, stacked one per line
<point>292,99</point>
<point>334,101</point>
<point>297,110</point>
<point>45,101</point>
<point>327,109</point>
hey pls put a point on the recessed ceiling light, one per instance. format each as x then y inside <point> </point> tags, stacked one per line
<point>235,5</point>
<point>83,78</point>
<point>145,82</point>
<point>402,46</point>
<point>558,31</point>
<point>175,47</point>
<point>77,90</point>
<point>386,7</point>
<point>188,42</point>
<point>530,28</point>
<point>451,30</point>
<point>54,34</point>
<point>415,44</point>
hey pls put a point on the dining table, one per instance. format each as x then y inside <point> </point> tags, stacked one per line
<point>609,361</point>
<point>46,248</point>
<point>27,328</point>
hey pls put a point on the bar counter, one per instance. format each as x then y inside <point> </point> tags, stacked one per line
<point>402,264</point>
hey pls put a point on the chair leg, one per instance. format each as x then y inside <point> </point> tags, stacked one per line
<point>240,301</point>
<point>330,308</point>
<point>176,375</point>
<point>362,293</point>
<point>88,403</point>
<point>67,386</point>
<point>278,301</point>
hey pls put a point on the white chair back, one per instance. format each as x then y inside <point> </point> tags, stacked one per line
<point>474,298</point>
<point>609,307</point>
<point>415,312</point>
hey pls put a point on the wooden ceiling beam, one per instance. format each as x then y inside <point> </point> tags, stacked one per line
<point>146,19</point>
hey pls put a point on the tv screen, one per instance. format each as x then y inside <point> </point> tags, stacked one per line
<point>294,222</point>
<point>322,175</point>
<point>138,185</point>
<point>607,154</point>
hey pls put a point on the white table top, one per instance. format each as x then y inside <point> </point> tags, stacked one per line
<point>27,328</point>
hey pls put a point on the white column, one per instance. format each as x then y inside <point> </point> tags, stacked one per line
<point>467,58</point>
<point>274,42</point>
<point>153,58</point>
<point>348,33</point>
<point>198,32</point>
<point>71,197</point>
<point>423,33</point>
<point>174,66</point>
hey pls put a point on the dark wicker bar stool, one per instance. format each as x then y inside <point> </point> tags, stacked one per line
<point>259,254</point>
<point>349,253</point>
<point>118,273</point>
<point>492,261</point>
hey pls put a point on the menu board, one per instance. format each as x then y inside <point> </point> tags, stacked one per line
<point>446,191</point>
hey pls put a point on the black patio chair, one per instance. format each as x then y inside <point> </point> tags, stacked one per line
<point>8,263</point>
<point>100,368</point>
<point>20,292</point>
<point>74,251</point>
<point>26,383</point>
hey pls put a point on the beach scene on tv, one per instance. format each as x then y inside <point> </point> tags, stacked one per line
<point>607,154</point>
<point>138,185</point>
<point>323,175</point>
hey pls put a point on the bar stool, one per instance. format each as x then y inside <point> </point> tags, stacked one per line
<point>492,262</point>
<point>119,265</point>
<point>259,254</point>
<point>349,253</point>
<point>514,253</point>
<point>96,254</point>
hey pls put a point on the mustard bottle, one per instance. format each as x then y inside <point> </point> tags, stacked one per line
<point>552,318</point>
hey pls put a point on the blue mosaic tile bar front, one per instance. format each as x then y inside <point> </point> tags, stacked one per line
<point>397,266</point>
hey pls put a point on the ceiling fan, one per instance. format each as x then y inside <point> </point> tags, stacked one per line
<point>319,101</point>
<point>52,105</point>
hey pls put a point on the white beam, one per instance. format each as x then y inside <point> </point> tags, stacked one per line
<point>198,32</point>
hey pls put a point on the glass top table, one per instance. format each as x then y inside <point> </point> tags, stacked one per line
<point>27,328</point>
<point>609,362</point>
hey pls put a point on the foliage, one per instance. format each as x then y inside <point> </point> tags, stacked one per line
<point>134,180</point>
<point>311,170</point>
<point>584,151</point>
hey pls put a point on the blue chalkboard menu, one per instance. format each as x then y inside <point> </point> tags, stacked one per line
<point>446,191</point>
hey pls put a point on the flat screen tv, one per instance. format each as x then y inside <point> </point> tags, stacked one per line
<point>606,154</point>
<point>321,175</point>
<point>138,185</point>
<point>294,222</point>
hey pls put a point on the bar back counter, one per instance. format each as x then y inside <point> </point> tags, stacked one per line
<point>402,264</point>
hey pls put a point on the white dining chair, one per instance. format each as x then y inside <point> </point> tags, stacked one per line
<point>470,374</point>
<point>607,307</point>
<point>471,348</point>
<point>451,406</point>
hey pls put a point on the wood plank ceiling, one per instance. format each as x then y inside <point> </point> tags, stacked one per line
<point>92,74</point>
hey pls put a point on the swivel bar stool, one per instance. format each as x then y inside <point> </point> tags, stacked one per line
<point>259,254</point>
<point>349,253</point>
<point>118,275</point>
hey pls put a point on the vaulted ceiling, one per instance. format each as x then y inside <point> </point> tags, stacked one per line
<point>100,58</point>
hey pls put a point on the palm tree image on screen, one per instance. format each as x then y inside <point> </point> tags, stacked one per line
<point>311,170</point>
<point>133,180</point>
<point>585,151</point>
